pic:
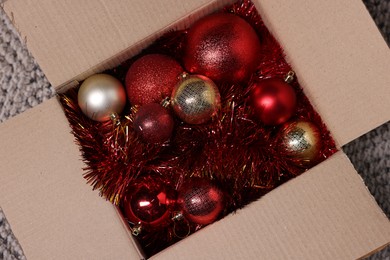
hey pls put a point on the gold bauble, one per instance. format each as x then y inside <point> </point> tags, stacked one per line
<point>301,141</point>
<point>195,99</point>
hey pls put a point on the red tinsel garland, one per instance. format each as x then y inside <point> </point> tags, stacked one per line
<point>239,154</point>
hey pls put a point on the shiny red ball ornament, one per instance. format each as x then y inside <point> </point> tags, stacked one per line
<point>148,202</point>
<point>153,123</point>
<point>151,78</point>
<point>223,47</point>
<point>273,101</point>
<point>201,201</point>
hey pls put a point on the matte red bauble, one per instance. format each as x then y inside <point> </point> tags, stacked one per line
<point>201,201</point>
<point>148,202</point>
<point>223,47</point>
<point>151,78</point>
<point>273,101</point>
<point>153,123</point>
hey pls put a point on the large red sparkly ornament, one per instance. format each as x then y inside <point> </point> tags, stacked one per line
<point>273,101</point>
<point>201,201</point>
<point>301,142</point>
<point>223,47</point>
<point>148,203</point>
<point>151,78</point>
<point>153,123</point>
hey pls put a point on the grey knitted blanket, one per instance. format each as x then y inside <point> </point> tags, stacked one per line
<point>23,85</point>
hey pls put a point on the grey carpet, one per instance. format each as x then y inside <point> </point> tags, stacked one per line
<point>23,85</point>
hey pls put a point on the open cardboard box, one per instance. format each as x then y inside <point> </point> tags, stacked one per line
<point>326,213</point>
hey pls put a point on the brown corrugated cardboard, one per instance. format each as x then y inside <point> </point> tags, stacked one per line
<point>336,60</point>
<point>326,211</point>
<point>71,38</point>
<point>341,60</point>
<point>53,213</point>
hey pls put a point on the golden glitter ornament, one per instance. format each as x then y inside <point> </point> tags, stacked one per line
<point>301,141</point>
<point>195,99</point>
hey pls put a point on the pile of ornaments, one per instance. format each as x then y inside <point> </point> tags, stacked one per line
<point>220,48</point>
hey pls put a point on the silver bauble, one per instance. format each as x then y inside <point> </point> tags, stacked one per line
<point>101,97</point>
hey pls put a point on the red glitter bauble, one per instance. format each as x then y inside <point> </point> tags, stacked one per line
<point>273,101</point>
<point>201,201</point>
<point>223,47</point>
<point>148,202</point>
<point>301,142</point>
<point>153,123</point>
<point>151,78</point>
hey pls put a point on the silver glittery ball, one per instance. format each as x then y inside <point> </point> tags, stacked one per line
<point>101,96</point>
<point>195,99</point>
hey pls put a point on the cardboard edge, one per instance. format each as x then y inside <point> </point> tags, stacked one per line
<point>179,24</point>
<point>375,251</point>
<point>131,237</point>
<point>339,156</point>
<point>354,130</point>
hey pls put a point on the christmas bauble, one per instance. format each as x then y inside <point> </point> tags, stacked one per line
<point>201,201</point>
<point>151,78</point>
<point>272,100</point>
<point>301,141</point>
<point>153,123</point>
<point>195,99</point>
<point>101,96</point>
<point>223,47</point>
<point>148,202</point>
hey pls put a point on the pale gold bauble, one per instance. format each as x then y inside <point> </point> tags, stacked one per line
<point>195,99</point>
<point>101,97</point>
<point>301,141</point>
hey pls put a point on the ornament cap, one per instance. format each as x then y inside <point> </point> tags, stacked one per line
<point>289,76</point>
<point>166,102</point>
<point>177,216</point>
<point>114,117</point>
<point>136,230</point>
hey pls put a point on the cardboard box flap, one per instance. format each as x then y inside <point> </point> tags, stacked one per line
<point>70,38</point>
<point>334,47</point>
<point>52,211</point>
<point>326,213</point>
<point>341,60</point>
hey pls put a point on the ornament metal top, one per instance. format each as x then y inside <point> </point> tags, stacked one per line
<point>101,97</point>
<point>195,99</point>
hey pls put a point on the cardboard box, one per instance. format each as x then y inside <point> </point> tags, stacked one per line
<point>326,213</point>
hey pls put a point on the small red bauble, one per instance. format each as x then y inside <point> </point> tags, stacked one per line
<point>273,101</point>
<point>153,123</point>
<point>223,47</point>
<point>151,78</point>
<point>148,202</point>
<point>201,201</point>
